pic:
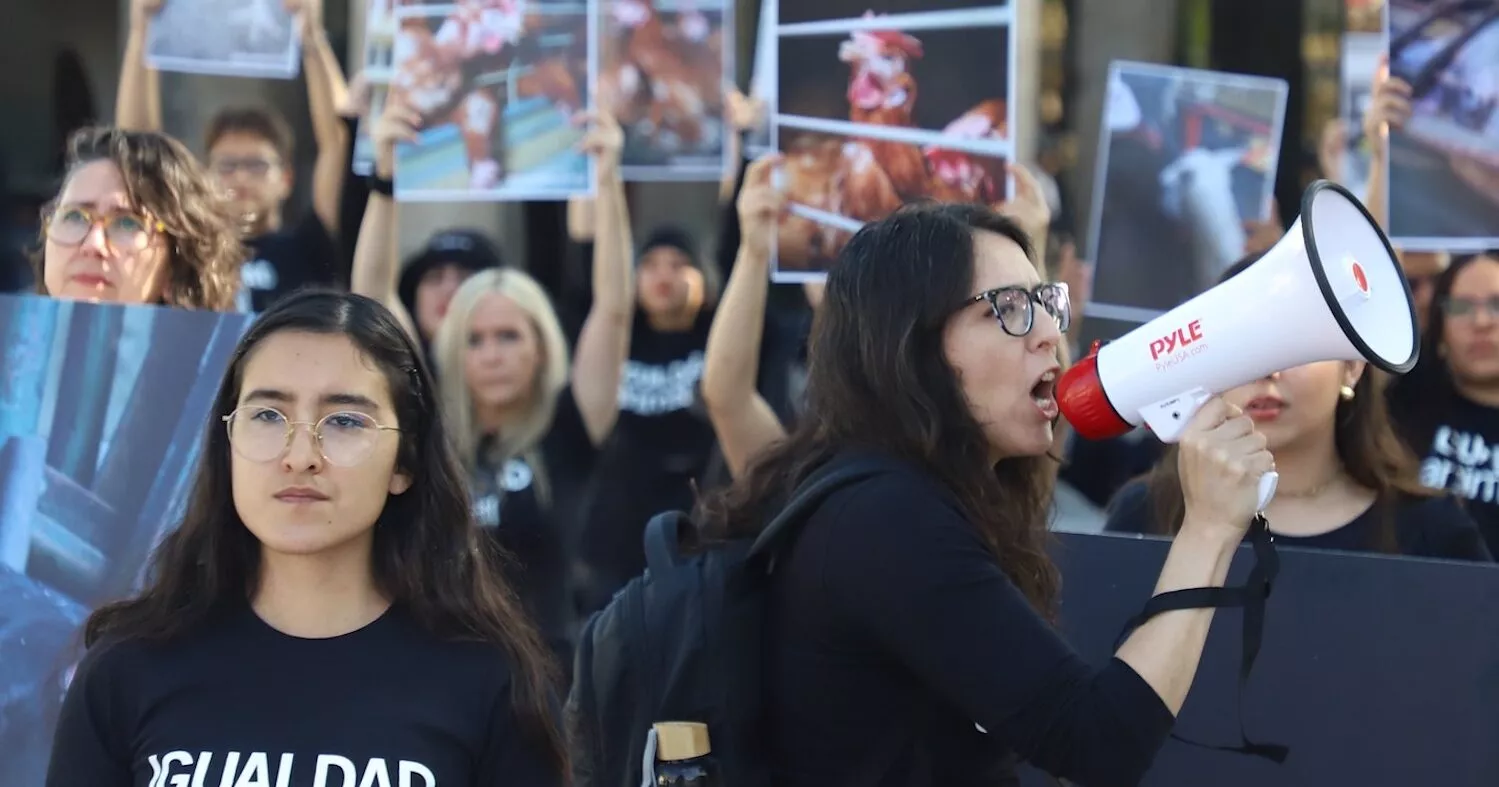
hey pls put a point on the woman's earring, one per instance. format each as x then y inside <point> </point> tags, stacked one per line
<point>1346,392</point>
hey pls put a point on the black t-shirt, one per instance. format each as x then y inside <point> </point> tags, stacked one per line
<point>901,654</point>
<point>237,702</point>
<point>1431,527</point>
<point>284,261</point>
<point>1458,442</point>
<point>530,525</point>
<point>659,448</point>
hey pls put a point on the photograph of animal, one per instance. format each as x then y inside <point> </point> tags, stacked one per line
<point>661,74</point>
<point>837,181</point>
<point>499,85</point>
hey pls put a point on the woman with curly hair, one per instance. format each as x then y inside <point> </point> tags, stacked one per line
<point>138,222</point>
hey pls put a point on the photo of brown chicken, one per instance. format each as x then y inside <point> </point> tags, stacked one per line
<point>812,170</point>
<point>661,77</point>
<point>881,92</point>
<point>865,179</point>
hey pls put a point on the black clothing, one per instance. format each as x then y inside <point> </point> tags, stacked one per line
<point>237,701</point>
<point>530,524</point>
<point>899,653</point>
<point>658,450</point>
<point>1458,442</point>
<point>1431,527</point>
<point>470,250</point>
<point>287,260</point>
<point>353,200</point>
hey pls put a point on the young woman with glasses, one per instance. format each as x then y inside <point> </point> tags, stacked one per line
<point>138,222</point>
<point>745,422</point>
<point>910,637</point>
<point>326,612</point>
<point>1447,408</point>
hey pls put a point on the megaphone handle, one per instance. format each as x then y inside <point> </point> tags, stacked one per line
<point>1268,483</point>
<point>1168,418</point>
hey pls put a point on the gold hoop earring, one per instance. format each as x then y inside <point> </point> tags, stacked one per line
<point>1346,392</point>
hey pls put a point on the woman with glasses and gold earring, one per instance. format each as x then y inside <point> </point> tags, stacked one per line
<point>326,610</point>
<point>1347,482</point>
<point>138,222</point>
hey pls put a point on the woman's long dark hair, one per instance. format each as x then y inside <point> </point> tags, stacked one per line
<point>1365,440</point>
<point>1425,396</point>
<point>878,379</point>
<point>429,557</point>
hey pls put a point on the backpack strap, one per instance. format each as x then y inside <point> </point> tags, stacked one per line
<point>663,546</point>
<point>809,495</point>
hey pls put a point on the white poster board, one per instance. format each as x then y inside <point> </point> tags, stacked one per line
<point>232,38</point>
<point>1186,158</point>
<point>763,79</point>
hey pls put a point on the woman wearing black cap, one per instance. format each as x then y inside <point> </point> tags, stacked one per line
<point>420,293</point>
<point>429,279</point>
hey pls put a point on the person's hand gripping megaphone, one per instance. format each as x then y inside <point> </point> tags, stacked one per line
<point>1223,463</point>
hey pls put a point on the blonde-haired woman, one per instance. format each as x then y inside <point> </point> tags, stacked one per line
<point>507,359</point>
<point>526,418</point>
<point>503,374</point>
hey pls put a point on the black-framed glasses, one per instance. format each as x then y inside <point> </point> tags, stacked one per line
<point>1015,307</point>
<point>264,434</point>
<point>123,231</point>
<point>1468,308</point>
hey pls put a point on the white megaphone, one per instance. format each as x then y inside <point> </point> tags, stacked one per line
<point>1330,290</point>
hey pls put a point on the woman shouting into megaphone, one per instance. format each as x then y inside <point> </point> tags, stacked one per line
<point>910,636</point>
<point>1347,482</point>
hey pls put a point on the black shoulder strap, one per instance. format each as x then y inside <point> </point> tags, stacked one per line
<point>1251,596</point>
<point>809,494</point>
<point>663,545</point>
<point>663,532</point>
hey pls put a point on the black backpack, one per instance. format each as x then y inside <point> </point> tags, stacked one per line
<point>682,642</point>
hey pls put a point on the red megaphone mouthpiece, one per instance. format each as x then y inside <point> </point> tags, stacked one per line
<point>1082,400</point>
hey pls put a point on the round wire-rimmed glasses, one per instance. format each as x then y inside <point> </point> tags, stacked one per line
<point>264,434</point>
<point>124,231</point>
